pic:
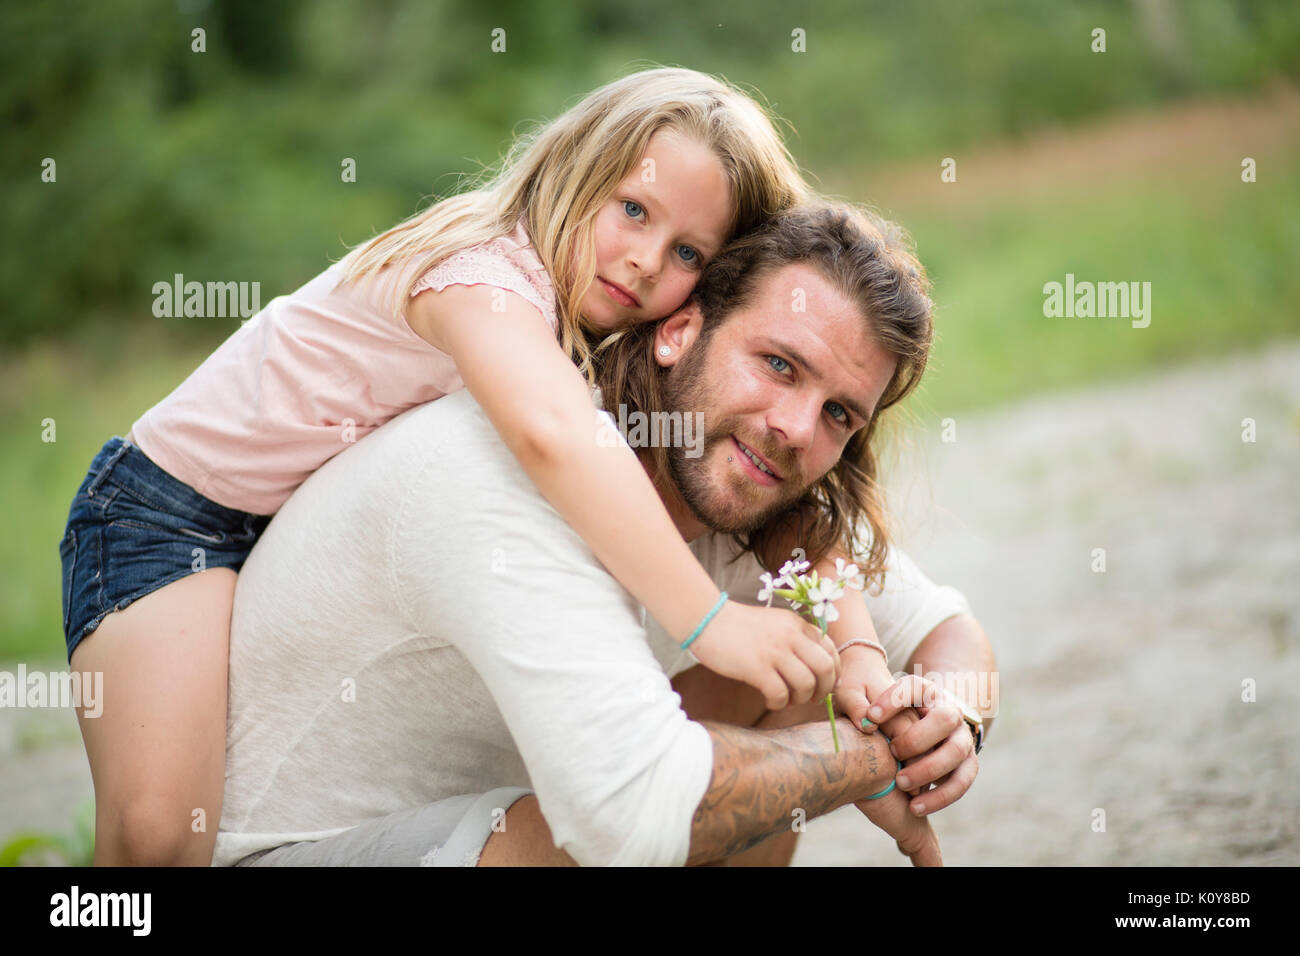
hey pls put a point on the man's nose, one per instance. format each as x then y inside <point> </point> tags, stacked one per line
<point>796,419</point>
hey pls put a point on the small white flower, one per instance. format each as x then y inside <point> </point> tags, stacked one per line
<point>825,611</point>
<point>850,575</point>
<point>791,568</point>
<point>827,590</point>
<point>768,586</point>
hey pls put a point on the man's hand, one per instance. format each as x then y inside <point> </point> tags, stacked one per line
<point>938,749</point>
<point>912,835</point>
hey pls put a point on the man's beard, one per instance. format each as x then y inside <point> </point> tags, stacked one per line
<point>734,504</point>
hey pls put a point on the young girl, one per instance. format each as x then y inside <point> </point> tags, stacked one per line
<point>601,220</point>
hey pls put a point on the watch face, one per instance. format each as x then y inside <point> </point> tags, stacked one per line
<point>969,712</point>
<point>976,725</point>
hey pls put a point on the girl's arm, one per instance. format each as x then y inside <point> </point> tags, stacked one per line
<point>541,406</point>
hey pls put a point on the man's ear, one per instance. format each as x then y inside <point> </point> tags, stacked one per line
<point>677,333</point>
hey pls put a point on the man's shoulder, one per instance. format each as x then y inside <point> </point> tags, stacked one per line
<point>451,434</point>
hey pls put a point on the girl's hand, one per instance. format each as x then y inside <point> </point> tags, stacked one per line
<point>864,677</point>
<point>782,656</point>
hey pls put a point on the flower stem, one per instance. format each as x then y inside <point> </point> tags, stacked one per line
<point>830,707</point>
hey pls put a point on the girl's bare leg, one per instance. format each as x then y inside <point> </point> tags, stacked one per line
<point>158,749</point>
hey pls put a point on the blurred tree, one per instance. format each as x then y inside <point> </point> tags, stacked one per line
<point>225,163</point>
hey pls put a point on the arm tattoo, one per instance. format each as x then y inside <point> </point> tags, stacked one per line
<point>761,777</point>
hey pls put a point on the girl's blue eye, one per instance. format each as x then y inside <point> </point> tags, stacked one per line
<point>632,209</point>
<point>688,255</point>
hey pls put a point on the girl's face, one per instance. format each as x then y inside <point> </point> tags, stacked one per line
<point>666,219</point>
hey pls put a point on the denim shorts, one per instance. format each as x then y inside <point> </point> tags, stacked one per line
<point>134,528</point>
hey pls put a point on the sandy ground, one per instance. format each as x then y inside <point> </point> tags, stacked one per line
<point>1121,690</point>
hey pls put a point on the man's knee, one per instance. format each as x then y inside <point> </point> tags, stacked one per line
<point>774,851</point>
<point>524,839</point>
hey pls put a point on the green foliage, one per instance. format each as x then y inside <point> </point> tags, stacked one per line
<point>72,848</point>
<point>1221,267</point>
<point>225,164</point>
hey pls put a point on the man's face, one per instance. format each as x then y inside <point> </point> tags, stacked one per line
<point>790,386</point>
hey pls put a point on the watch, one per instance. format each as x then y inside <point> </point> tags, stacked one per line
<point>974,721</point>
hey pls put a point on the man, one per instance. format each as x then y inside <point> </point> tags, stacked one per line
<point>419,639</point>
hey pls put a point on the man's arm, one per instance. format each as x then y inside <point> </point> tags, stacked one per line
<point>762,778</point>
<point>959,651</point>
<point>957,646</point>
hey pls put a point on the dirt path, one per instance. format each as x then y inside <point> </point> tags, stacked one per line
<point>1122,690</point>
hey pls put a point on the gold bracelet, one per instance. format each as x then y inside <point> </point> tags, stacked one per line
<point>865,643</point>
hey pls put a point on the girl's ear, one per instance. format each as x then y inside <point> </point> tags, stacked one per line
<point>677,333</point>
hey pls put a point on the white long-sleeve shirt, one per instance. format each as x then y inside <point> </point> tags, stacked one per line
<point>418,622</point>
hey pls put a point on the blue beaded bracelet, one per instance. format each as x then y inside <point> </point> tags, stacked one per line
<point>889,789</point>
<point>704,623</point>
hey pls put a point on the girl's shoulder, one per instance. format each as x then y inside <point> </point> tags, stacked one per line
<point>506,262</point>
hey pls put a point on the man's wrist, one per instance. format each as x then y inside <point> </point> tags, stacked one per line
<point>872,767</point>
<point>761,778</point>
<point>974,722</point>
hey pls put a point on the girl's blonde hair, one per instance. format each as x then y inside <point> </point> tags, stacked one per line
<point>558,177</point>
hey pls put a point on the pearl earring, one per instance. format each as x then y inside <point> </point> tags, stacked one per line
<point>665,351</point>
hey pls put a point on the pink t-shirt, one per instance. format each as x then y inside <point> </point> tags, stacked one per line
<point>316,370</point>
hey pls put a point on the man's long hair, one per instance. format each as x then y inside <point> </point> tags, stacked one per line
<point>868,259</point>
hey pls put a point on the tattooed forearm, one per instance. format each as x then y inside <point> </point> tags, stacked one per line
<point>761,778</point>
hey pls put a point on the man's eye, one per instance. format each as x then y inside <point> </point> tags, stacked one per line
<point>845,419</point>
<point>777,358</point>
<point>632,209</point>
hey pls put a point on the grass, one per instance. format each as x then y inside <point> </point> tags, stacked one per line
<point>1220,255</point>
<point>93,386</point>
<point>1220,259</point>
<point>74,847</point>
